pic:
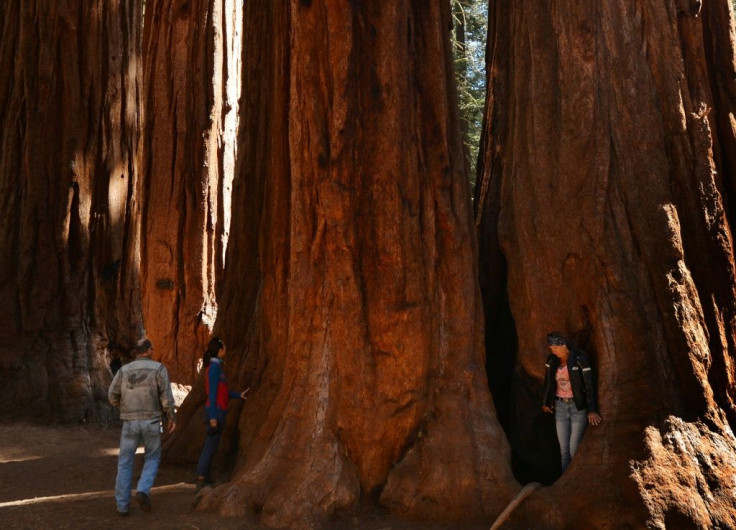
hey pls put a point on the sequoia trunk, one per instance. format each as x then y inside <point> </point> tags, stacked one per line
<point>192,75</point>
<point>69,144</point>
<point>606,177</point>
<point>360,326</point>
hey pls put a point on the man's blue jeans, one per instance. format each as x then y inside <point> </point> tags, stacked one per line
<point>570,423</point>
<point>135,432</point>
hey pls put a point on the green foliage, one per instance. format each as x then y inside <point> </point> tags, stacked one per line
<point>470,31</point>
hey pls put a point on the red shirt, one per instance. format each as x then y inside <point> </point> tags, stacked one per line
<point>216,386</point>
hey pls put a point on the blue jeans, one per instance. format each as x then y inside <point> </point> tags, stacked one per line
<point>135,432</point>
<point>211,441</point>
<point>570,423</point>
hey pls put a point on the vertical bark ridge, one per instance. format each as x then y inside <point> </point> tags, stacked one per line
<point>366,349</point>
<point>192,83</point>
<point>69,166</point>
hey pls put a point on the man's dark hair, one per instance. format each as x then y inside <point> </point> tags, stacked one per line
<point>143,347</point>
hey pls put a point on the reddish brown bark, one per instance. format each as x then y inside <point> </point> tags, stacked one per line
<point>69,134</point>
<point>192,56</point>
<point>360,328</point>
<point>607,142</point>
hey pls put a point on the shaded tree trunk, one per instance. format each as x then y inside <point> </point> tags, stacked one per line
<point>607,172</point>
<point>360,326</point>
<point>192,76</point>
<point>69,147</point>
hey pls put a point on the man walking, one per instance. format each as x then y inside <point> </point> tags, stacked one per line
<point>142,391</point>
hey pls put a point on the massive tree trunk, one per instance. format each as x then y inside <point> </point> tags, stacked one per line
<point>607,173</point>
<point>192,73</point>
<point>350,303</point>
<point>69,144</point>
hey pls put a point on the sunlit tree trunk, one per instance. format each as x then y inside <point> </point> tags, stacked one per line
<point>606,189</point>
<point>69,147</point>
<point>350,304</point>
<point>192,73</point>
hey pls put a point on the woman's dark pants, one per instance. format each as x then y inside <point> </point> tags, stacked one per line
<point>211,441</point>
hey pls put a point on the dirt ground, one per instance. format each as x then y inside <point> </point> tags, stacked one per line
<point>64,477</point>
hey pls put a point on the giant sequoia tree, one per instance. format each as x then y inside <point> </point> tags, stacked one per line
<point>69,133</point>
<point>607,194</point>
<point>192,62</point>
<point>350,302</point>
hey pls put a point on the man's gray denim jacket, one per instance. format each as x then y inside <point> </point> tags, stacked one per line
<point>142,390</point>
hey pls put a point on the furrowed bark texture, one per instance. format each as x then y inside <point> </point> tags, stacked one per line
<point>607,175</point>
<point>192,75</point>
<point>69,292</point>
<point>352,230</point>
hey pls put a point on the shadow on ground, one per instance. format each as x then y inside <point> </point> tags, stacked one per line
<point>64,477</point>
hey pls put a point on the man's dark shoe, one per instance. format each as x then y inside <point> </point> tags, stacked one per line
<point>144,500</point>
<point>126,513</point>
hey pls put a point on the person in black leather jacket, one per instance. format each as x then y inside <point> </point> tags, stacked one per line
<point>569,393</point>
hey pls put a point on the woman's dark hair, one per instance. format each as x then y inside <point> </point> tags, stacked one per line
<point>213,348</point>
<point>557,339</point>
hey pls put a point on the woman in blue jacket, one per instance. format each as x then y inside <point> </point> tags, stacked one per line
<point>218,396</point>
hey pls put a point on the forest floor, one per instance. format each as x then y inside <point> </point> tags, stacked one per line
<point>64,477</point>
